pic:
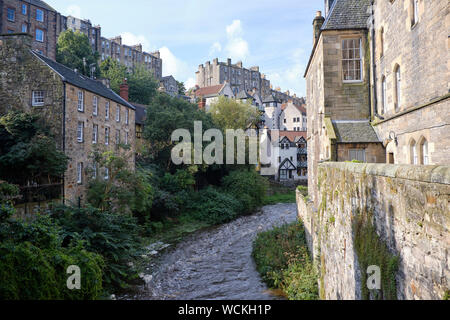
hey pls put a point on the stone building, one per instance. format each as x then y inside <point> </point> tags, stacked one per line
<point>93,32</point>
<point>411,80</point>
<point>170,85</point>
<point>337,80</point>
<point>34,17</point>
<point>83,114</point>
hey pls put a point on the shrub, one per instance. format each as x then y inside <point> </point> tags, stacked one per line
<point>213,206</point>
<point>246,186</point>
<point>115,236</point>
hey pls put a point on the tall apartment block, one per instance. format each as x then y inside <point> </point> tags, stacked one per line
<point>239,78</point>
<point>93,32</point>
<point>36,18</point>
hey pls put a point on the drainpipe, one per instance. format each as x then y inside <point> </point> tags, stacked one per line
<point>373,69</point>
<point>64,139</point>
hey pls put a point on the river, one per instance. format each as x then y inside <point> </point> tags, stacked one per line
<point>215,264</point>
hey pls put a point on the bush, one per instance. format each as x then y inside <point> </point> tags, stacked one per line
<point>213,206</point>
<point>114,236</point>
<point>246,186</point>
<point>282,259</point>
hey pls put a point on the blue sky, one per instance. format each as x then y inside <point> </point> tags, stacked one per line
<point>275,35</point>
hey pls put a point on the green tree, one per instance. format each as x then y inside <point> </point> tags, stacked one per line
<point>181,88</point>
<point>28,151</point>
<point>142,84</point>
<point>74,51</point>
<point>232,114</point>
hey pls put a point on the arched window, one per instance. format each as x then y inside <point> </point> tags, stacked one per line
<point>397,87</point>
<point>415,12</point>
<point>413,152</point>
<point>424,158</point>
<point>383,95</point>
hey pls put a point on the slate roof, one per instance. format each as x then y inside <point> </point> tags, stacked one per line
<point>80,81</point>
<point>244,95</point>
<point>270,98</point>
<point>39,3</point>
<point>347,14</point>
<point>354,132</point>
<point>141,113</point>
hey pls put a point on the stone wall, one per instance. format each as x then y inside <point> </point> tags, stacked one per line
<point>411,214</point>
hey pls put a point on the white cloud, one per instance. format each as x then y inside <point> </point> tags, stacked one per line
<point>131,39</point>
<point>190,83</point>
<point>74,11</point>
<point>215,48</point>
<point>237,48</point>
<point>176,67</point>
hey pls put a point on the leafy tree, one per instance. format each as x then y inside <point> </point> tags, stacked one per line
<point>142,83</point>
<point>74,51</point>
<point>181,88</point>
<point>232,114</point>
<point>28,152</point>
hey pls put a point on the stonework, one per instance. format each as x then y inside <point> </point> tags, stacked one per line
<point>411,213</point>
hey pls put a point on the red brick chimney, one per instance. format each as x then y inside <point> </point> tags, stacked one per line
<point>124,90</point>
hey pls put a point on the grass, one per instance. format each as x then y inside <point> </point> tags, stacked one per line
<point>280,198</point>
<point>283,260</point>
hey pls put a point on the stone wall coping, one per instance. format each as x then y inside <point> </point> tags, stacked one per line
<point>429,174</point>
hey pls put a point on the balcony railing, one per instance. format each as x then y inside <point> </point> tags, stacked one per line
<point>303,164</point>
<point>302,151</point>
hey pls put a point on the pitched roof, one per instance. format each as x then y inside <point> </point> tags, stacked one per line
<point>302,109</point>
<point>293,136</point>
<point>244,95</point>
<point>141,113</point>
<point>39,3</point>
<point>209,91</point>
<point>270,98</point>
<point>80,81</point>
<point>347,14</point>
<point>354,132</point>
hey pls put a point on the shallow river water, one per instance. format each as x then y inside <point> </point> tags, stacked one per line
<point>215,264</point>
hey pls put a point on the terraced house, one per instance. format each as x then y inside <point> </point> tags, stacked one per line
<point>83,113</point>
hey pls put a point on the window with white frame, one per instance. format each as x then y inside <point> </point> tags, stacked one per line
<point>94,170</point>
<point>106,136</point>
<point>80,131</point>
<point>425,157</point>
<point>39,15</point>
<point>80,172</point>
<point>24,28</point>
<point>351,60</point>
<point>413,152</point>
<point>95,134</point>
<point>24,9</point>
<point>11,14</point>
<point>80,101</point>
<point>398,86</point>
<point>39,35</point>
<point>107,110</point>
<point>117,113</point>
<point>38,98</point>
<point>106,174</point>
<point>127,115</point>
<point>95,106</point>
<point>357,154</point>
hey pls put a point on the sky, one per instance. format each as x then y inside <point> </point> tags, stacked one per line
<point>274,35</point>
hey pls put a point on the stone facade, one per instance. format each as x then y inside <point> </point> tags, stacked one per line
<point>410,210</point>
<point>23,72</point>
<point>35,18</point>
<point>170,85</point>
<point>421,51</point>
<point>93,32</point>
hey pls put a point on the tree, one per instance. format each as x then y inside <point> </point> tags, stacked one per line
<point>143,85</point>
<point>28,151</point>
<point>74,51</point>
<point>232,114</point>
<point>181,88</point>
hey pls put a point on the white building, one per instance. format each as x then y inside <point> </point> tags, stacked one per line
<point>293,117</point>
<point>208,95</point>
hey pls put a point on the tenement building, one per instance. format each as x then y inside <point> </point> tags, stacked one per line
<point>93,32</point>
<point>34,17</point>
<point>84,115</point>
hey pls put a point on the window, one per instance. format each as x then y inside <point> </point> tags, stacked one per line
<point>24,28</point>
<point>106,136</point>
<point>11,14</point>
<point>383,94</point>
<point>117,136</point>
<point>424,149</point>
<point>95,134</point>
<point>39,15</point>
<point>283,174</point>
<point>351,60</point>
<point>413,152</point>
<point>38,99</point>
<point>95,106</point>
<point>415,12</point>
<point>80,101</point>
<point>126,138</point>
<point>107,111</point>
<point>39,35</point>
<point>398,82</point>
<point>94,170</point>
<point>355,154</point>
<point>118,113</point>
<point>127,115</point>
<point>106,173</point>
<point>80,172</point>
<point>24,9</point>
<point>80,132</point>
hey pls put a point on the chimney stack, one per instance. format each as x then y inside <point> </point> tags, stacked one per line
<point>124,90</point>
<point>229,61</point>
<point>317,25</point>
